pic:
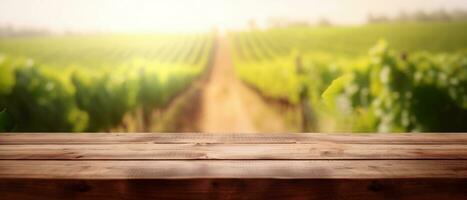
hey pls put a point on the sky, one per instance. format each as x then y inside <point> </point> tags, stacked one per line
<point>196,15</point>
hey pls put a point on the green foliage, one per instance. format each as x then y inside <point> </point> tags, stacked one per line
<point>415,92</point>
<point>6,121</point>
<point>7,79</point>
<point>89,83</point>
<point>404,89</point>
<point>40,102</point>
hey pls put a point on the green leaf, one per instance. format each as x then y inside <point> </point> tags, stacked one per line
<point>337,86</point>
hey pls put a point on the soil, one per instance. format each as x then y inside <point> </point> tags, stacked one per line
<point>229,106</point>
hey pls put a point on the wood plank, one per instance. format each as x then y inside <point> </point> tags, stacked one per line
<point>203,166</point>
<point>451,189</point>
<point>318,169</point>
<point>177,138</point>
<point>322,150</point>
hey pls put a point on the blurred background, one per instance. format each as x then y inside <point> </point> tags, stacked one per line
<point>268,66</point>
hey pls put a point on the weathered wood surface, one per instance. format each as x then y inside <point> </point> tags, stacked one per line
<point>209,166</point>
<point>311,169</point>
<point>324,151</point>
<point>177,138</point>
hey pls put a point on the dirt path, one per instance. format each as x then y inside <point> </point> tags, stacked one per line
<point>229,106</point>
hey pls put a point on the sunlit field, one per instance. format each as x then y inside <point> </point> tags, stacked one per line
<point>394,73</point>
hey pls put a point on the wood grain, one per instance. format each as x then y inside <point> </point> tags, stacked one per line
<point>209,166</point>
<point>178,138</point>
<point>321,150</point>
<point>318,169</point>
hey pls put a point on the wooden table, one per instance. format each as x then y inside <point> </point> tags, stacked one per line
<point>202,166</point>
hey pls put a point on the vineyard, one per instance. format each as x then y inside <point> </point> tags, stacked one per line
<point>372,78</point>
<point>89,83</point>
<point>267,99</point>
<point>402,77</point>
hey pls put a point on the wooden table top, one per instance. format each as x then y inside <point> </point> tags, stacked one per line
<point>148,156</point>
<point>287,157</point>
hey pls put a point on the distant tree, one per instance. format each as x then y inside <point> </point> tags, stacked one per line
<point>324,22</point>
<point>458,15</point>
<point>276,22</point>
<point>421,16</point>
<point>373,19</point>
<point>7,30</point>
<point>441,15</point>
<point>403,17</point>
